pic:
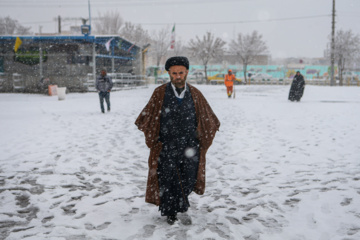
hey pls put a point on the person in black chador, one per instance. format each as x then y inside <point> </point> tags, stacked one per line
<point>297,87</point>
<point>179,126</point>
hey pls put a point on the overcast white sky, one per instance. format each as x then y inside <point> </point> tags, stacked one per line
<point>291,28</point>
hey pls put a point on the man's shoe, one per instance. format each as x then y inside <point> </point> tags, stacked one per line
<point>102,111</point>
<point>108,109</point>
<point>171,219</point>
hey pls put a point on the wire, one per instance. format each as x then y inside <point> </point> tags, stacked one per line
<point>244,21</point>
<point>137,3</point>
<point>346,12</point>
<point>230,22</point>
<point>38,22</point>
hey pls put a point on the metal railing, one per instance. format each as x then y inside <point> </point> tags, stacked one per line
<point>288,81</point>
<point>120,81</point>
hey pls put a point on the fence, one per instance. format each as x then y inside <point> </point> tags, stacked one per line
<point>120,81</point>
<point>287,81</point>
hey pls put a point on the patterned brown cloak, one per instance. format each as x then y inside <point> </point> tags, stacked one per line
<point>149,122</point>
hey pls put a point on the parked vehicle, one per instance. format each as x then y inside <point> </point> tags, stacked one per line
<point>349,74</point>
<point>261,76</point>
<point>349,78</point>
<point>196,78</point>
<point>192,78</point>
<point>219,79</point>
<point>163,78</point>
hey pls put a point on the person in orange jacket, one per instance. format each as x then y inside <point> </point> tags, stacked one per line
<point>229,82</point>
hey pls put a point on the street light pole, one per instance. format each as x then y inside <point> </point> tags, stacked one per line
<point>89,13</point>
<point>332,54</point>
<point>59,24</point>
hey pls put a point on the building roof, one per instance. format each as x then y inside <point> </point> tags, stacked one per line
<point>98,39</point>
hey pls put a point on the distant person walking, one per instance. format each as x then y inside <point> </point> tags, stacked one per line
<point>104,85</point>
<point>297,87</point>
<point>229,82</point>
<point>179,127</point>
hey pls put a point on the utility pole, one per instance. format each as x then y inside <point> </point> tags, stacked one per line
<point>89,13</point>
<point>94,60</point>
<point>59,24</point>
<point>41,61</point>
<point>332,54</point>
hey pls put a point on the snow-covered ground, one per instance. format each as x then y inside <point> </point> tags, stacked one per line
<point>277,170</point>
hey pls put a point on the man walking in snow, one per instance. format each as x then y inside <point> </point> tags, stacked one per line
<point>229,82</point>
<point>179,127</point>
<point>104,85</point>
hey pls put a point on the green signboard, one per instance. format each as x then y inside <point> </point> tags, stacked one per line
<point>30,56</point>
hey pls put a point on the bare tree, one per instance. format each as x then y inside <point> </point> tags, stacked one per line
<point>109,23</point>
<point>347,49</point>
<point>206,49</point>
<point>10,26</point>
<point>248,47</point>
<point>135,34</point>
<point>160,44</point>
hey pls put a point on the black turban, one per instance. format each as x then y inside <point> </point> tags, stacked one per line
<point>177,61</point>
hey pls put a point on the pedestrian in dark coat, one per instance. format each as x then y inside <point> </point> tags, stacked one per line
<point>179,127</point>
<point>297,87</point>
<point>104,85</point>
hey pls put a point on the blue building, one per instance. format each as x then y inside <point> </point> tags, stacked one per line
<point>63,60</point>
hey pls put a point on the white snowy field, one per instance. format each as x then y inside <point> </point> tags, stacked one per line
<point>277,170</point>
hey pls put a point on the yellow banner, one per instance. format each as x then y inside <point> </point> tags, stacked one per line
<point>18,42</point>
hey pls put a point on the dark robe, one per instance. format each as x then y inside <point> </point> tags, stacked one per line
<point>179,157</point>
<point>297,88</point>
<point>148,121</point>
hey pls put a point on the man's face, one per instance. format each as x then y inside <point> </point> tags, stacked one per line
<point>178,75</point>
<point>103,73</point>
<point>229,72</point>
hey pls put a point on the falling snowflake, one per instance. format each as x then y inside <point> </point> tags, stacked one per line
<point>190,152</point>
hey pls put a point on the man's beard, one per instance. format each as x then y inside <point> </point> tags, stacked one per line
<point>182,81</point>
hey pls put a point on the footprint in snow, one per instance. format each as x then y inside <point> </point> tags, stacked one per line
<point>346,202</point>
<point>250,217</point>
<point>148,231</point>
